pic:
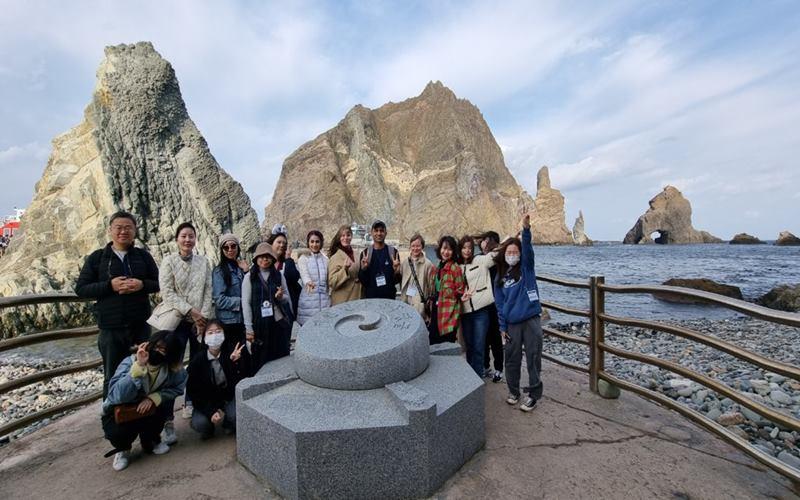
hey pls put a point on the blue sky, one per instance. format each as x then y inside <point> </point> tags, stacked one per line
<point>617,98</point>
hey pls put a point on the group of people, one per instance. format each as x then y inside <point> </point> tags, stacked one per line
<point>5,240</point>
<point>238,315</point>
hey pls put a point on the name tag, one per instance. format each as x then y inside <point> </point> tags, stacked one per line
<point>380,280</point>
<point>266,309</point>
<point>411,291</point>
<point>533,296</point>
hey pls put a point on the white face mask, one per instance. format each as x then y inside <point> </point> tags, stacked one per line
<point>512,260</point>
<point>215,340</point>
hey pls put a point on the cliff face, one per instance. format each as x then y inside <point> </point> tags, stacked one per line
<point>428,164</point>
<point>136,149</point>
<point>670,214</point>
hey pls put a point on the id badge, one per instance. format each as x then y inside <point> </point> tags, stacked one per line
<point>411,291</point>
<point>533,296</point>
<point>380,280</point>
<point>266,309</point>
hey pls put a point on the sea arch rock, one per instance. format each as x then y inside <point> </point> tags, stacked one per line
<point>670,215</point>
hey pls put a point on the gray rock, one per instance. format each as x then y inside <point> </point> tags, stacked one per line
<point>780,397</point>
<point>401,440</point>
<point>789,459</point>
<point>714,414</point>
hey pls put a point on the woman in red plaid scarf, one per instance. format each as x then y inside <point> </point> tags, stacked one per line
<point>449,279</point>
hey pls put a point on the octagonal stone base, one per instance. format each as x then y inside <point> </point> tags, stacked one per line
<point>400,441</point>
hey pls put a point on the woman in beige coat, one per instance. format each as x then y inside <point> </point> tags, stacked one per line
<point>415,292</point>
<point>343,268</point>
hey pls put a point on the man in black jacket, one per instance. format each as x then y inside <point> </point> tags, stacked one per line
<point>380,266</point>
<point>120,276</point>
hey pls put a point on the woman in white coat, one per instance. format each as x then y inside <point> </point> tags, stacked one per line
<point>313,269</point>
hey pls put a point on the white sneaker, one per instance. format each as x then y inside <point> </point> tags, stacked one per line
<point>121,460</point>
<point>168,437</point>
<point>187,411</point>
<point>160,448</point>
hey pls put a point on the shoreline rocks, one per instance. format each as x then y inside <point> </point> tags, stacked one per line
<point>771,389</point>
<point>745,239</point>
<point>703,284</point>
<point>782,297</point>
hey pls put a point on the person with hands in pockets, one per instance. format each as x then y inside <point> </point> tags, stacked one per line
<point>150,380</point>
<point>519,313</point>
<point>213,376</point>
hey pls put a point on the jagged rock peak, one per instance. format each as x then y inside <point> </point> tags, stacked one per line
<point>669,215</point>
<point>578,233</point>
<point>428,164</point>
<point>543,179</point>
<point>136,149</point>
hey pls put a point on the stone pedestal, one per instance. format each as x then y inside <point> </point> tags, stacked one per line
<point>362,409</point>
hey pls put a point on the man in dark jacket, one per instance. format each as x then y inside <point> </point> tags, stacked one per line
<point>380,266</point>
<point>120,276</point>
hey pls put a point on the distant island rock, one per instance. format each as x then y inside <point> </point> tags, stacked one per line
<point>669,215</point>
<point>782,297</point>
<point>428,164</point>
<point>138,150</point>
<point>785,238</point>
<point>578,235</point>
<point>703,284</point>
<point>745,239</point>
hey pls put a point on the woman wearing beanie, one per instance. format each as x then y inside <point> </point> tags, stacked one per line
<point>519,312</point>
<point>226,285</point>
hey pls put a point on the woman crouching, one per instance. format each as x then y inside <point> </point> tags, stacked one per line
<point>140,396</point>
<point>212,380</point>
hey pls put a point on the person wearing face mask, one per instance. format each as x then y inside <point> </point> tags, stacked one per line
<point>185,281</point>
<point>416,283</point>
<point>519,313</point>
<point>144,385</point>
<point>213,376</point>
<point>314,277</point>
<point>448,281</point>
<point>266,308</point>
<point>343,268</point>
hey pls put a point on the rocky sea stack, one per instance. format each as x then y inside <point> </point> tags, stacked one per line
<point>428,164</point>
<point>785,238</point>
<point>669,215</point>
<point>136,149</point>
<point>745,239</point>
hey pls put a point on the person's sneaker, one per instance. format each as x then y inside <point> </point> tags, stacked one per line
<point>488,372</point>
<point>168,437</point>
<point>121,460</point>
<point>160,448</point>
<point>187,411</point>
<point>512,399</point>
<point>528,405</point>
<point>497,377</point>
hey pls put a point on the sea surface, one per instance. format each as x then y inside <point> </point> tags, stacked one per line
<point>755,269</point>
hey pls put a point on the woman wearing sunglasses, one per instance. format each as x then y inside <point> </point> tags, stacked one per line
<point>226,285</point>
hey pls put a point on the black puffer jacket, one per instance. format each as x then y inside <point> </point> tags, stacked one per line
<point>112,309</point>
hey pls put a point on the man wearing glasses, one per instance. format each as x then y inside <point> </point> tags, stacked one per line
<point>120,276</point>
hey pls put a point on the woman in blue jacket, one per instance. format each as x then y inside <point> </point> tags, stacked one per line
<point>226,290</point>
<point>151,379</point>
<point>519,313</point>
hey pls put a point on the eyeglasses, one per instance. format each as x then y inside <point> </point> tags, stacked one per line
<point>230,247</point>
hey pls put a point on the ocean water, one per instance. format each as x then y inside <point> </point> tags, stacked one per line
<point>755,269</point>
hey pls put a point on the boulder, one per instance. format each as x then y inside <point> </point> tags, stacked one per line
<point>578,235</point>
<point>703,284</point>
<point>138,150</point>
<point>745,239</point>
<point>785,238</point>
<point>782,297</point>
<point>428,164</point>
<point>669,215</point>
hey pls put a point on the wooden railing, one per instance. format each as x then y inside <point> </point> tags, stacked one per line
<point>600,381</point>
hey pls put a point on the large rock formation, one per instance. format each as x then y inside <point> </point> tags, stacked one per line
<point>782,297</point>
<point>136,149</point>
<point>785,238</point>
<point>703,284</point>
<point>670,215</point>
<point>428,164</point>
<point>578,233</point>
<point>549,219</point>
